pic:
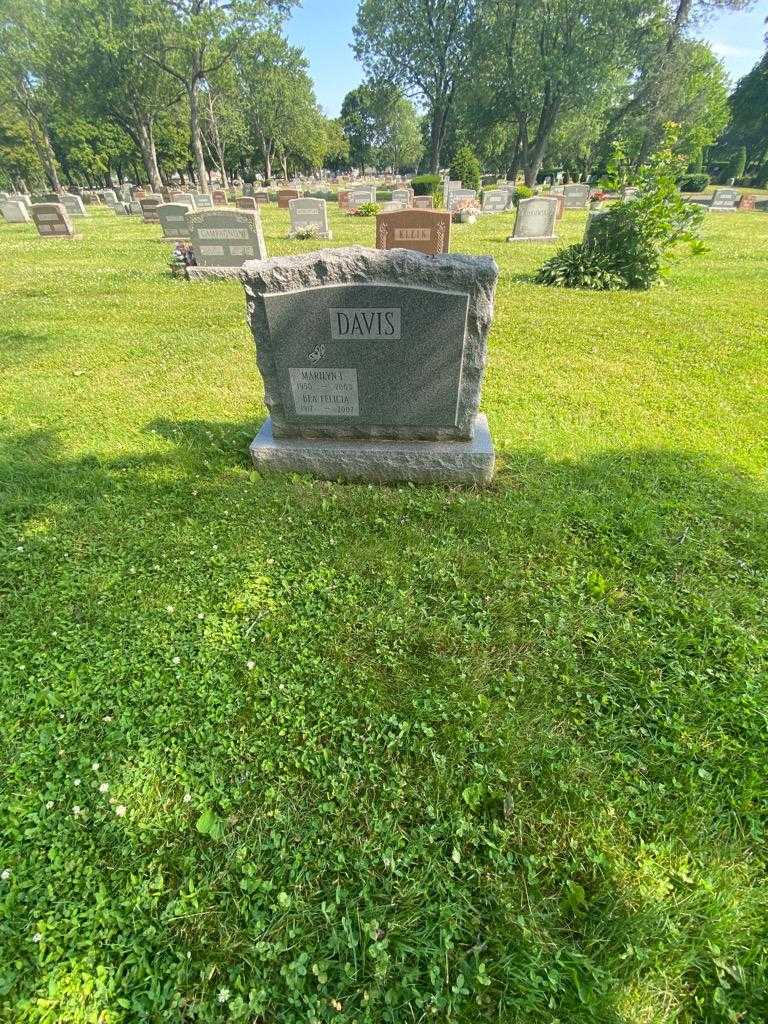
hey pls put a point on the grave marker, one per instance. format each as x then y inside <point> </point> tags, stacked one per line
<point>535,221</point>
<point>246,203</point>
<point>52,220</point>
<point>576,196</point>
<point>373,363</point>
<point>423,202</point>
<point>222,240</point>
<point>173,221</point>
<point>307,212</point>
<point>15,212</point>
<point>724,200</point>
<point>219,197</point>
<point>424,231</point>
<point>495,200</point>
<point>149,205</point>
<point>285,195</point>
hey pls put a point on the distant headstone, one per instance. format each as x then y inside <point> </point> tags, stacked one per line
<point>262,198</point>
<point>423,202</point>
<point>184,197</point>
<point>203,201</point>
<point>343,198</point>
<point>285,195</point>
<point>246,203</point>
<point>134,206</point>
<point>110,196</point>
<point>219,197</point>
<point>21,197</point>
<point>222,240</point>
<point>560,200</point>
<point>402,195</point>
<point>724,200</point>
<point>557,190</point>
<point>15,212</point>
<point>173,220</point>
<point>248,189</point>
<point>576,196</point>
<point>149,207</point>
<point>357,197</point>
<point>309,213</point>
<point>52,220</point>
<point>424,231</point>
<point>373,364</point>
<point>457,195</point>
<point>495,200</point>
<point>535,221</point>
<point>747,202</point>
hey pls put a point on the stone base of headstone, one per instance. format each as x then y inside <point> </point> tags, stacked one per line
<point>211,273</point>
<point>325,235</point>
<point>541,238</point>
<point>381,461</point>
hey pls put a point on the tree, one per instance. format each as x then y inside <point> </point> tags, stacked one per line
<point>277,99</point>
<point>545,62</point>
<point>358,121</point>
<point>26,56</point>
<point>748,125</point>
<point>381,126</point>
<point>466,168</point>
<point>424,46</point>
<point>196,39</point>
<point>111,75</point>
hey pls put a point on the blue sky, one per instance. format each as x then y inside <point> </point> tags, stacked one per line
<point>323,28</point>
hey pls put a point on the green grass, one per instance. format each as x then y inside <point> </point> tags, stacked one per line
<point>386,754</point>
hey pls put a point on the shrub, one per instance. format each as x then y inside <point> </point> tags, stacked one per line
<point>426,184</point>
<point>522,192</point>
<point>581,266</point>
<point>367,210</point>
<point>624,247</point>
<point>466,168</point>
<point>735,166</point>
<point>693,182</point>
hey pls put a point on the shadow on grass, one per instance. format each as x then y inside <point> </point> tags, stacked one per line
<point>540,704</point>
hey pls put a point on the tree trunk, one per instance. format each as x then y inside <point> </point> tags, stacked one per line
<point>437,133</point>
<point>196,141</point>
<point>217,143</point>
<point>149,154</point>
<point>47,157</point>
<point>266,148</point>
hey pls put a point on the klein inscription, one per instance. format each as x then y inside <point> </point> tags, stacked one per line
<point>366,324</point>
<point>324,392</point>
<point>413,235</point>
<point>219,234</point>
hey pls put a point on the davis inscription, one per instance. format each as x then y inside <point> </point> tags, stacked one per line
<point>366,324</point>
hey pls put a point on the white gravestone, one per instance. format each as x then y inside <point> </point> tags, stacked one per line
<point>495,200</point>
<point>309,213</point>
<point>73,205</point>
<point>14,212</point>
<point>403,196</point>
<point>222,240</point>
<point>535,221</point>
<point>576,196</point>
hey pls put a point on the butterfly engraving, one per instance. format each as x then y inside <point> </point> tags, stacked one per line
<point>316,354</point>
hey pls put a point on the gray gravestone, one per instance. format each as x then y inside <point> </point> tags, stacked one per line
<point>373,363</point>
<point>576,196</point>
<point>309,213</point>
<point>222,240</point>
<point>184,197</point>
<point>357,197</point>
<point>459,194</point>
<point>73,205</point>
<point>724,200</point>
<point>402,196</point>
<point>21,197</point>
<point>149,205</point>
<point>110,197</point>
<point>205,202</point>
<point>52,220</point>
<point>423,202</point>
<point>246,203</point>
<point>535,221</point>
<point>495,200</point>
<point>173,220</point>
<point>15,212</point>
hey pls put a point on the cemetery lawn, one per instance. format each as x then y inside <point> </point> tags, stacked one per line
<point>279,750</point>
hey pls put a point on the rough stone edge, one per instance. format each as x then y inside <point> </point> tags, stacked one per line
<point>213,273</point>
<point>476,275</point>
<point>447,462</point>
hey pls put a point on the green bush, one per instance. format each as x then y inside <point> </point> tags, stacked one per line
<point>693,182</point>
<point>581,266</point>
<point>624,247</point>
<point>426,184</point>
<point>367,210</point>
<point>466,168</point>
<point>735,166</point>
<point>522,192</point>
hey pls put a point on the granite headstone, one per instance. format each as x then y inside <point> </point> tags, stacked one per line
<point>535,220</point>
<point>222,240</point>
<point>309,213</point>
<point>52,220</point>
<point>425,231</point>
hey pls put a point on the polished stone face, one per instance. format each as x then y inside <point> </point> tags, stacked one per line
<point>576,196</point>
<point>427,231</point>
<point>173,220</point>
<point>536,217</point>
<point>725,199</point>
<point>308,212</point>
<point>52,219</point>
<point>362,343</point>
<point>226,238</point>
<point>495,200</point>
<point>459,194</point>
